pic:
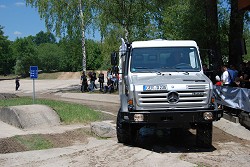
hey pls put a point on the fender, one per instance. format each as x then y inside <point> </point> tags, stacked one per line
<point>124,104</point>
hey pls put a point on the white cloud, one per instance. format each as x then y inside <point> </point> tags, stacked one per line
<point>17,33</point>
<point>20,4</point>
<point>2,6</point>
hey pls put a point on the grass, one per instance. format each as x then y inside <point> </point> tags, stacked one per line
<point>34,142</point>
<point>69,113</point>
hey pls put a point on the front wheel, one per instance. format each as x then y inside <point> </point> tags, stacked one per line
<point>125,133</point>
<point>204,135</point>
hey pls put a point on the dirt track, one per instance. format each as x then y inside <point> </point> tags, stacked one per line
<point>69,75</point>
<point>156,150</point>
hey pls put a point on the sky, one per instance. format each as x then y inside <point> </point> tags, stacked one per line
<point>20,20</point>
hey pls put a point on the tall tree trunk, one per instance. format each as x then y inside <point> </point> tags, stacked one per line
<point>235,34</point>
<point>212,33</point>
<point>83,38</point>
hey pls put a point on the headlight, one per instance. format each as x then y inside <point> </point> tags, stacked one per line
<point>208,116</point>
<point>138,117</point>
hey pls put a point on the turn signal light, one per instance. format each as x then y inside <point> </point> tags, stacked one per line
<point>130,102</point>
<point>212,99</point>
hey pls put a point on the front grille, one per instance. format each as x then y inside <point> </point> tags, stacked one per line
<point>192,87</point>
<point>193,96</point>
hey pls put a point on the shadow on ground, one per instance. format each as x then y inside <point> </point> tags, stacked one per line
<point>163,141</point>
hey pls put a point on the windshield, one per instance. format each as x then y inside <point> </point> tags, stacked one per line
<point>167,59</point>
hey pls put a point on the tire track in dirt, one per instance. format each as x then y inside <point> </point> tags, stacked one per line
<point>105,153</point>
<point>228,154</point>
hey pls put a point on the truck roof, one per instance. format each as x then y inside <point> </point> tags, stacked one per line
<point>163,43</point>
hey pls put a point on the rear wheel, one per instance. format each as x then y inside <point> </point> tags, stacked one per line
<point>204,135</point>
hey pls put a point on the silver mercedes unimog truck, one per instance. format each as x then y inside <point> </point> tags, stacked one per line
<point>162,84</point>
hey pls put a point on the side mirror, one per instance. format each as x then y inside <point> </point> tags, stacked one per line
<point>114,58</point>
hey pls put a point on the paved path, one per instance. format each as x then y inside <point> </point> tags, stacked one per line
<point>41,86</point>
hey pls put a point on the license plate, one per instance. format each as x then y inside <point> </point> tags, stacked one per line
<point>154,87</point>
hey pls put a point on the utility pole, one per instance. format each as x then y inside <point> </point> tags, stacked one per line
<point>83,38</point>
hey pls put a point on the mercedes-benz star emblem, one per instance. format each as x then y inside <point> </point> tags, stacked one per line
<point>173,97</point>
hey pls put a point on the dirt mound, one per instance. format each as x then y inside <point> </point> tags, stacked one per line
<point>17,143</point>
<point>69,75</point>
<point>10,145</point>
<point>29,116</point>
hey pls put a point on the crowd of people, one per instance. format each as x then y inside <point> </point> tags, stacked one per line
<point>231,75</point>
<point>88,81</point>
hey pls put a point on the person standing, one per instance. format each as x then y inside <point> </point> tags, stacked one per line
<point>94,78</point>
<point>92,81</point>
<point>17,83</point>
<point>225,76</point>
<point>84,82</point>
<point>109,72</point>
<point>233,74</point>
<point>101,80</point>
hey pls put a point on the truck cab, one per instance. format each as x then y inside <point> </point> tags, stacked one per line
<point>162,84</point>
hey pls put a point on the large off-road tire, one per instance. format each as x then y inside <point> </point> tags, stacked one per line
<point>125,134</point>
<point>122,130</point>
<point>204,135</point>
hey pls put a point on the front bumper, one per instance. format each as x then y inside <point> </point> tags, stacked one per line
<point>173,119</point>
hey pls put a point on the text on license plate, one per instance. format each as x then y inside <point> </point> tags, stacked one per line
<point>154,87</point>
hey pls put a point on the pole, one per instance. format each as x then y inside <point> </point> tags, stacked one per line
<point>33,91</point>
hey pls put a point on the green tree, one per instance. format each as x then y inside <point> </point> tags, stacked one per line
<point>25,53</point>
<point>223,20</point>
<point>110,44</point>
<point>63,16</point>
<point>71,59</point>
<point>70,17</point>
<point>49,57</point>
<point>43,37</point>
<point>247,38</point>
<point>133,16</point>
<point>6,59</point>
<point>235,33</point>
<point>196,20</point>
<point>94,56</point>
